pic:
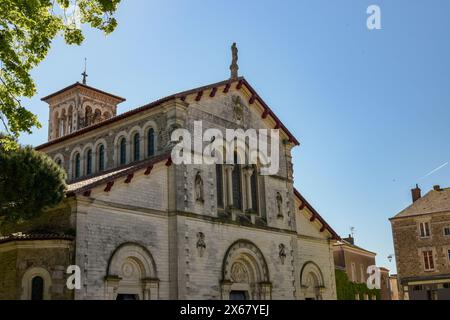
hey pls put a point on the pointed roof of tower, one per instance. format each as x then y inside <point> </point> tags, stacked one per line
<point>78,85</point>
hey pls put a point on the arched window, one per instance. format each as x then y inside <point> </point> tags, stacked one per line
<point>236,181</point>
<point>219,185</point>
<point>123,151</point>
<point>37,288</point>
<point>59,162</point>
<point>254,189</point>
<point>101,158</point>
<point>136,149</point>
<point>77,171</point>
<point>89,162</point>
<point>151,142</point>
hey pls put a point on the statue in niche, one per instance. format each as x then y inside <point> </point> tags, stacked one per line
<point>291,169</point>
<point>198,187</point>
<point>238,108</point>
<point>282,252</point>
<point>201,244</point>
<point>279,205</point>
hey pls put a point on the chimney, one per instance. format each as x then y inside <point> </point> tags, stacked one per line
<point>416,193</point>
<point>437,187</point>
<point>350,239</point>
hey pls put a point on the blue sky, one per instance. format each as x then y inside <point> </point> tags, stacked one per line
<point>370,108</point>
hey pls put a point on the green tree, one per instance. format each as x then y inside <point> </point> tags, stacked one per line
<point>29,182</point>
<point>27,28</point>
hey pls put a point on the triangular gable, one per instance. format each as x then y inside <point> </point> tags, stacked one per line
<point>210,90</point>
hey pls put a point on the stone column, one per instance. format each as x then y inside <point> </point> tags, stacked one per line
<point>50,128</point>
<point>229,178</point>
<point>248,187</point>
<point>266,290</point>
<point>111,286</point>
<point>225,287</point>
<point>151,288</point>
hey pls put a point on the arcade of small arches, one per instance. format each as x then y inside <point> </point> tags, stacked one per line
<point>67,119</point>
<point>134,145</point>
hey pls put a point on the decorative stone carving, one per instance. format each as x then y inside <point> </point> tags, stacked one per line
<point>291,170</point>
<point>279,199</point>
<point>199,187</point>
<point>282,252</point>
<point>239,273</point>
<point>245,267</point>
<point>238,108</point>
<point>201,244</point>
<point>128,270</point>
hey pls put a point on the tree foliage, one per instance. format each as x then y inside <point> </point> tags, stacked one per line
<point>29,182</point>
<point>27,28</point>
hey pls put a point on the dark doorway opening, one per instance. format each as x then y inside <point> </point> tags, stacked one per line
<point>125,296</point>
<point>238,295</point>
<point>37,288</point>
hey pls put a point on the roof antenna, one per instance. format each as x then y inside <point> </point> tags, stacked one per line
<point>234,66</point>
<point>84,74</point>
<point>352,231</point>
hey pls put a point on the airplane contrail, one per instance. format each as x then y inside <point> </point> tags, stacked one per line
<point>434,170</point>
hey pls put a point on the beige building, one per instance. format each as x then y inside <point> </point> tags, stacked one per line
<point>141,227</point>
<point>421,235</point>
<point>394,287</point>
<point>354,261</point>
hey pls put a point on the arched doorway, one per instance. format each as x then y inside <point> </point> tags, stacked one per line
<point>245,274</point>
<point>311,281</point>
<point>131,274</point>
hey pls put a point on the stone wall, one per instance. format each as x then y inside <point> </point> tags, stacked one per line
<point>18,257</point>
<point>409,245</point>
<point>200,276</point>
<point>106,220</point>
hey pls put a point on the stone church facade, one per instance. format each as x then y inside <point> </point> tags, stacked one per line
<point>141,227</point>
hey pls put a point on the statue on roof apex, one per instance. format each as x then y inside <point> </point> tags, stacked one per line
<point>234,66</point>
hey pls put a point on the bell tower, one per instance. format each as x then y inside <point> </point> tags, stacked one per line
<point>78,106</point>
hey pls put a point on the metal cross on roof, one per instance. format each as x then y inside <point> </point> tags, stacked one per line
<point>84,74</point>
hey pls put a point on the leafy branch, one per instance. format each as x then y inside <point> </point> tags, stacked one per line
<point>27,28</point>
